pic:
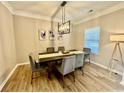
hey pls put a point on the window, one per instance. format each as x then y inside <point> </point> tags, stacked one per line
<point>92,37</point>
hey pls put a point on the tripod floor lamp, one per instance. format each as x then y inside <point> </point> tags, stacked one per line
<point>117,39</point>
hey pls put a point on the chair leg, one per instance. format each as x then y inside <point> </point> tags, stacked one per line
<point>63,81</point>
<point>82,71</point>
<point>31,76</point>
<point>89,60</point>
<point>74,76</point>
<point>47,72</point>
<point>40,73</point>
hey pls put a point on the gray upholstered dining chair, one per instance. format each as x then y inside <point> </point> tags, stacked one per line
<point>87,53</point>
<point>35,67</point>
<point>50,50</point>
<point>67,66</point>
<point>61,48</point>
<point>79,62</point>
<point>50,64</point>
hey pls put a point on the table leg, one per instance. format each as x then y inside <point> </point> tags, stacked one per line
<point>49,70</point>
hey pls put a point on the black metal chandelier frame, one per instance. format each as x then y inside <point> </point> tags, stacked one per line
<point>64,26</point>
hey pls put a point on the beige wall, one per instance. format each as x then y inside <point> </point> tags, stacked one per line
<point>110,23</point>
<point>7,43</point>
<point>27,40</point>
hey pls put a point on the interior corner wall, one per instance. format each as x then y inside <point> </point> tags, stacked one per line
<point>7,43</point>
<point>27,37</point>
<point>110,23</point>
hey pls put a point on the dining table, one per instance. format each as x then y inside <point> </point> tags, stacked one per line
<point>51,58</point>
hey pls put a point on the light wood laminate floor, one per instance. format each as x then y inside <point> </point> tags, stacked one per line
<point>94,79</point>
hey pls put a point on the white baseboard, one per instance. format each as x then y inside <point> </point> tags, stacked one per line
<point>113,70</point>
<point>25,63</point>
<point>10,74</point>
<point>105,67</point>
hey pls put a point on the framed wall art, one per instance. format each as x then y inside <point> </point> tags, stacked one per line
<point>51,35</point>
<point>42,34</point>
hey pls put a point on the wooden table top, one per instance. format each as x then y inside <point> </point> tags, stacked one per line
<point>59,55</point>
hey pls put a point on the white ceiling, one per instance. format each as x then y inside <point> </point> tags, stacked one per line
<point>75,10</point>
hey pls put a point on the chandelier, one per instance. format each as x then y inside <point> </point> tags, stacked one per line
<point>64,26</point>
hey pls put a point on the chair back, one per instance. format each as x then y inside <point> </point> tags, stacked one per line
<point>87,50</point>
<point>79,60</point>
<point>50,50</point>
<point>68,65</point>
<point>61,48</point>
<point>32,62</point>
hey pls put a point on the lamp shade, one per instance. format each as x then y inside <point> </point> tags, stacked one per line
<point>117,37</point>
